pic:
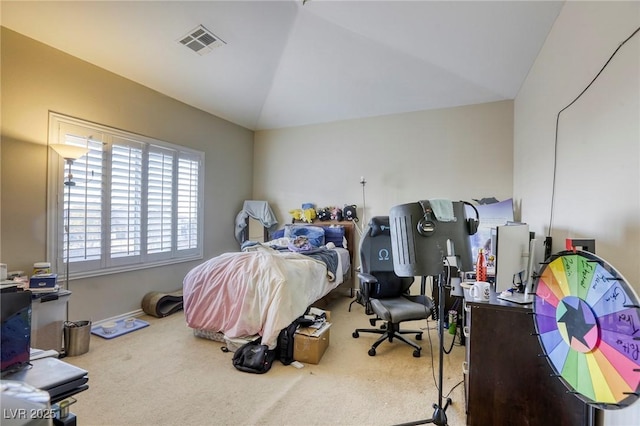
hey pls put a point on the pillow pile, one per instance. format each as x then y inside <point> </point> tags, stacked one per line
<point>334,234</point>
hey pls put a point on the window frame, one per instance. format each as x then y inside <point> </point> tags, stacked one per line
<point>108,264</point>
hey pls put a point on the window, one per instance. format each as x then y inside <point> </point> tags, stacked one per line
<point>131,202</point>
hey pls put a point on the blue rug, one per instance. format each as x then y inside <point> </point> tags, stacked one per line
<point>120,329</point>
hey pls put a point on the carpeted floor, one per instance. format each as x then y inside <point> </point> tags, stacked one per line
<point>164,375</point>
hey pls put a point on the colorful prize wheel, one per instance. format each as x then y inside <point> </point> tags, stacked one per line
<point>588,322</point>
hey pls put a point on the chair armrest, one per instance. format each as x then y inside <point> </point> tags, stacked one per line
<point>366,281</point>
<point>367,278</point>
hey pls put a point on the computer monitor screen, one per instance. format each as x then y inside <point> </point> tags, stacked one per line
<point>512,255</point>
<point>421,250</point>
<point>15,330</point>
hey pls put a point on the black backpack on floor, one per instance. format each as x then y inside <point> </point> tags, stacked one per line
<point>284,348</point>
<point>254,357</point>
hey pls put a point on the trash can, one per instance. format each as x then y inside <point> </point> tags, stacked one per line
<point>76,337</point>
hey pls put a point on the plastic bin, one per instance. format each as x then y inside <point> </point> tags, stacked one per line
<point>77,335</point>
<point>48,314</point>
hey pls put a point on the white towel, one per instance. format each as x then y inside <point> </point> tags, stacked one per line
<point>259,210</point>
<point>443,210</point>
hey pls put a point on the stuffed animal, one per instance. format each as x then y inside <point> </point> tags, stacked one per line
<point>324,214</point>
<point>296,214</point>
<point>308,215</point>
<point>336,214</point>
<point>305,215</point>
<point>350,213</point>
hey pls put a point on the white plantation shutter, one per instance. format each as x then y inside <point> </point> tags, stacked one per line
<point>136,202</point>
<point>160,201</point>
<point>126,199</point>
<point>188,202</point>
<point>85,225</point>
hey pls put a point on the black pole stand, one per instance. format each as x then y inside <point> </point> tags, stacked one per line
<point>439,417</point>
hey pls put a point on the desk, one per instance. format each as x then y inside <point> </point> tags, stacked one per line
<point>506,381</point>
<point>60,379</point>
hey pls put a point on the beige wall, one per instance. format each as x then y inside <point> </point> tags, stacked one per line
<point>37,79</point>
<point>598,163</point>
<point>457,153</point>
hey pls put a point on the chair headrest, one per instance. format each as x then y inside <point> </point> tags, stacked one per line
<point>379,225</point>
<point>375,246</point>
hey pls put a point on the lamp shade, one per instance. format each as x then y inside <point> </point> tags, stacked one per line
<point>69,152</point>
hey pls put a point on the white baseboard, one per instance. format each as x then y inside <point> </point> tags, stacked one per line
<point>136,313</point>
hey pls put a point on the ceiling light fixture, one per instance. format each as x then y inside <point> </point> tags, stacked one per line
<point>201,40</point>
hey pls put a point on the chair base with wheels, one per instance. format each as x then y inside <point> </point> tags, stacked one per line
<point>389,332</point>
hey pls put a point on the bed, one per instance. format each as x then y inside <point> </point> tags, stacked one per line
<point>264,287</point>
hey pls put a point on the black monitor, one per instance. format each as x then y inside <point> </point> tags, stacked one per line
<point>16,330</point>
<point>421,243</point>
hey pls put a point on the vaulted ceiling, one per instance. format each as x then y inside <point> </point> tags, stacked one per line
<point>285,63</point>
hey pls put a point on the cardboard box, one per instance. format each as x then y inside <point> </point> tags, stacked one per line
<point>43,281</point>
<point>309,344</point>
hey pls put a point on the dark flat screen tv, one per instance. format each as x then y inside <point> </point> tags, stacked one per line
<point>15,330</point>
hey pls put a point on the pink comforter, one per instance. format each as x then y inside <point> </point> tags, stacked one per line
<point>258,292</point>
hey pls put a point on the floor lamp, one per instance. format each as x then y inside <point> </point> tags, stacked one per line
<point>70,153</point>
<point>363,182</point>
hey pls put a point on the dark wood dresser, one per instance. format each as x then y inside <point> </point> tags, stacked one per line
<point>507,381</point>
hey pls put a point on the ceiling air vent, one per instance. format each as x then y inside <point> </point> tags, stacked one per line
<point>201,40</point>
